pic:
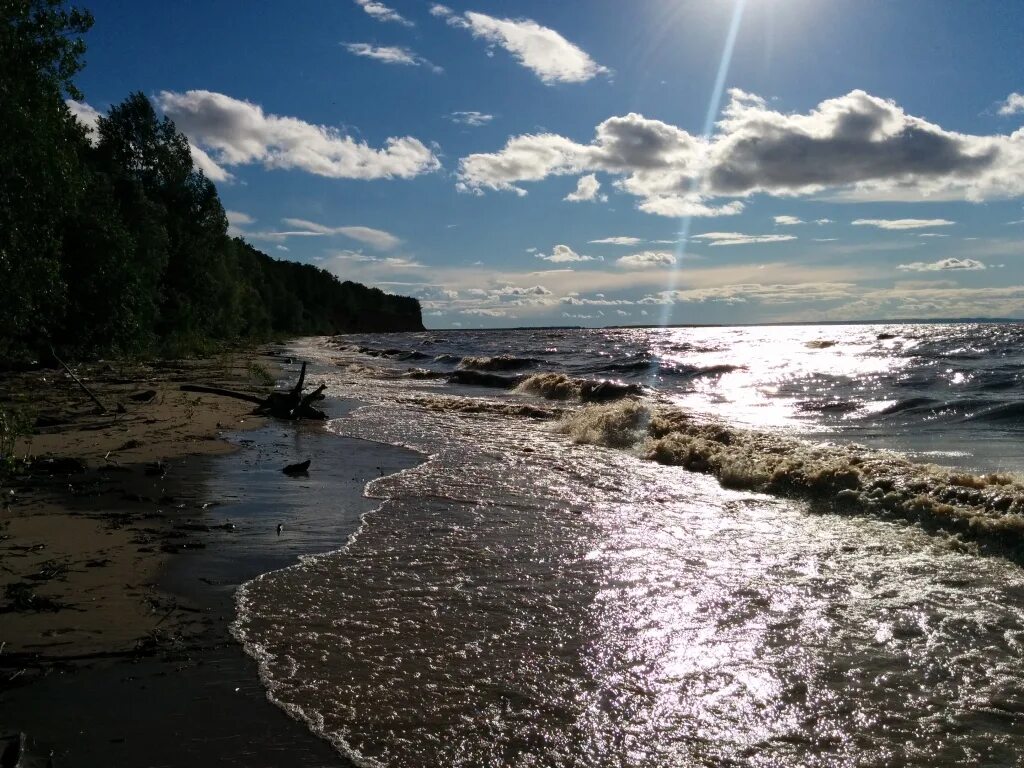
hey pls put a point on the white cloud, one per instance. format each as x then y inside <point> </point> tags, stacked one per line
<point>931,234</point>
<point>391,54</point>
<point>860,144</point>
<point>375,238</point>
<point>903,223</point>
<point>371,266</point>
<point>350,255</point>
<point>381,12</point>
<point>778,293</point>
<point>87,115</point>
<point>400,262</point>
<point>561,254</point>
<point>237,132</point>
<point>514,290</point>
<point>237,219</point>
<point>208,165</point>
<point>788,221</point>
<point>647,260</point>
<point>1013,105</point>
<point>587,189</point>
<point>678,206</point>
<point>619,240</point>
<point>943,265</point>
<point>471,117</point>
<point>738,238</point>
<point>850,148</point>
<point>823,221</point>
<point>541,50</point>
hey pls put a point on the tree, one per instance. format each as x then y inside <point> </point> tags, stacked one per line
<point>41,178</point>
<point>124,246</point>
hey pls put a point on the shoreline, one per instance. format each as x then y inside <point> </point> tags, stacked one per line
<point>188,693</point>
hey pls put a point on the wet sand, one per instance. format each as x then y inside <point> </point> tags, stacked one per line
<point>141,669</point>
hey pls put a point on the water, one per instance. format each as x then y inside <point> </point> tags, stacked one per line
<point>554,587</point>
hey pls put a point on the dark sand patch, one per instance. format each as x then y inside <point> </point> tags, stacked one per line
<point>199,701</point>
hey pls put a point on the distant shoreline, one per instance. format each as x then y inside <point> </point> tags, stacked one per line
<point>908,321</point>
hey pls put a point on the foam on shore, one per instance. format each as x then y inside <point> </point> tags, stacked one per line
<point>847,477</point>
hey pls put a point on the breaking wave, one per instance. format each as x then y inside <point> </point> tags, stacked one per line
<point>843,477</point>
<point>393,354</point>
<point>451,404</point>
<point>558,386</point>
<point>499,363</point>
<point>483,379</point>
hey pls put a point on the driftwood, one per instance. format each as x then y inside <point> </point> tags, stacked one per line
<point>203,389</point>
<point>78,381</point>
<point>292,405</point>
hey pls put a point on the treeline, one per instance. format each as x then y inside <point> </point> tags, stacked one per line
<point>112,242</point>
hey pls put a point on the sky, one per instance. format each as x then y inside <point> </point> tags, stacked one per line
<point>601,162</point>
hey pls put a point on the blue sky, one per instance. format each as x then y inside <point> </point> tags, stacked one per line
<point>863,158</point>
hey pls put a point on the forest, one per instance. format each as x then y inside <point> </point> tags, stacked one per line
<point>113,243</point>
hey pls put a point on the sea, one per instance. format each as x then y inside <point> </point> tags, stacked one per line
<point>697,546</point>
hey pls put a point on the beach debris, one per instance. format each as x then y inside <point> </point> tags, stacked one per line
<point>145,396</point>
<point>99,405</point>
<point>291,405</point>
<point>294,470</point>
<point>22,599</point>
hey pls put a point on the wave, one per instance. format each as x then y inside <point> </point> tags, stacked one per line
<point>847,478</point>
<point>393,354</point>
<point>499,363</point>
<point>668,369</point>
<point>483,379</point>
<point>558,386</point>
<point>966,409</point>
<point>451,404</point>
<point>711,370</point>
<point>910,404</point>
<point>1002,412</point>
<point>829,406</point>
<point>644,364</point>
<point>424,373</point>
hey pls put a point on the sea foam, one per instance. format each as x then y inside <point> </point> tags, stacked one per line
<point>846,477</point>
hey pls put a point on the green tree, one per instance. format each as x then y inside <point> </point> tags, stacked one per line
<point>41,178</point>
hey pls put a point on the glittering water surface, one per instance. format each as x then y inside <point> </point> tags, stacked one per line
<point>519,599</point>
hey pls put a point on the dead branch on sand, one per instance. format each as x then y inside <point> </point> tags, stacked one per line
<point>291,405</point>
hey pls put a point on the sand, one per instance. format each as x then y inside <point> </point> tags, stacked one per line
<point>141,668</point>
<point>82,549</point>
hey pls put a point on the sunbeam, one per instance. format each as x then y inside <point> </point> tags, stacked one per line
<point>714,104</point>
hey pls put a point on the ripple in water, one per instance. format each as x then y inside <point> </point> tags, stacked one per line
<point>519,600</point>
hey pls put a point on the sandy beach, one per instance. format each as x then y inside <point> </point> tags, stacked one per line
<point>122,550</point>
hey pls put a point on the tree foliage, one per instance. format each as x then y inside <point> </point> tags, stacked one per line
<point>114,242</point>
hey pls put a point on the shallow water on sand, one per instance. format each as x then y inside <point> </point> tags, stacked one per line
<point>522,600</point>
